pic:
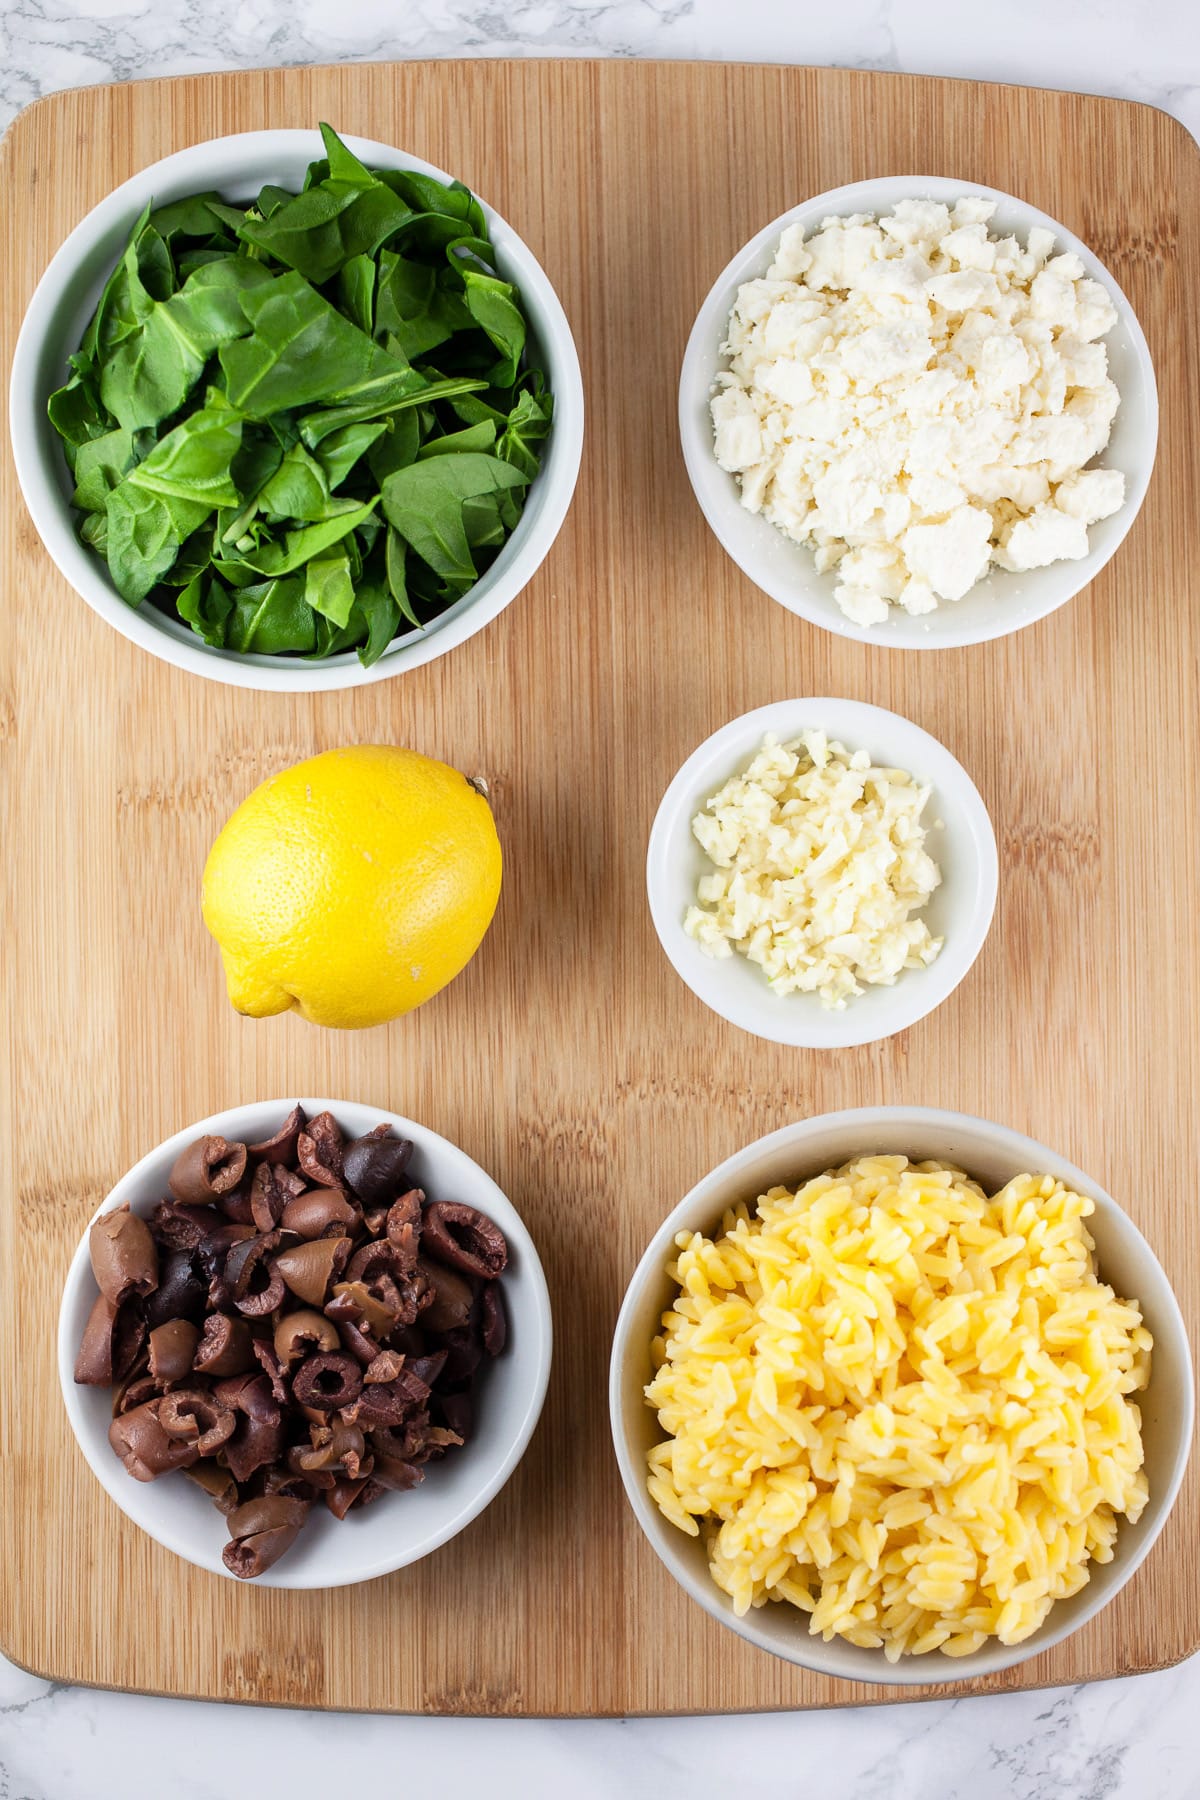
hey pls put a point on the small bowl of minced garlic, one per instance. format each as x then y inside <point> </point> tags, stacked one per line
<point>822,872</point>
<point>918,412</point>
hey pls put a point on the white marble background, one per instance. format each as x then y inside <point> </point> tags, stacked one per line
<point>1137,1739</point>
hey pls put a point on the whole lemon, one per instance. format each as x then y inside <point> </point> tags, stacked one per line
<point>352,886</point>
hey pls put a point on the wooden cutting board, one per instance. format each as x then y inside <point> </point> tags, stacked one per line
<point>569,1059</point>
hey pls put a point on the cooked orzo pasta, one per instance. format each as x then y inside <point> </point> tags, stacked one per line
<point>900,1405</point>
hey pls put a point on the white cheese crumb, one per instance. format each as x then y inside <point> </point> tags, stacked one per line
<point>916,399</point>
<point>820,863</point>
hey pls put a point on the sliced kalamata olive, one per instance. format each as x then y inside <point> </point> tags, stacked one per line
<point>372,1259</point>
<point>259,1302</point>
<point>493,1320</point>
<point>319,1150</point>
<point>182,1290</point>
<point>309,1268</point>
<point>249,1394</point>
<point>273,1369</point>
<point>255,1444</point>
<point>129,1395</point>
<point>386,1366</point>
<point>123,1255</point>
<point>352,1329</point>
<point>217,1483</point>
<point>377,1317</point>
<point>145,1448</point>
<point>250,1277</point>
<point>438,1439</point>
<point>337,1447</point>
<point>464,1238</point>
<point>374,1166</point>
<point>458,1411</point>
<point>177,1226</point>
<point>284,1480</point>
<point>271,1189</point>
<point>212,1256</point>
<point>260,1531</point>
<point>394,1473</point>
<point>172,1346</point>
<point>403,1227</point>
<point>208,1168</point>
<point>237,1206</point>
<point>326,1380</point>
<point>378,1408</point>
<point>94,1360</point>
<point>464,1353</point>
<point>111,1343</point>
<point>342,1495</point>
<point>324,1212</point>
<point>265,1514</point>
<point>427,1368</point>
<point>317,1478</point>
<point>452,1297</point>
<point>282,1147</point>
<point>195,1416</point>
<point>224,1347</point>
<point>299,1333</point>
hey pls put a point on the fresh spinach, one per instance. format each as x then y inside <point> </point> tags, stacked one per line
<point>425,504</point>
<point>260,443</point>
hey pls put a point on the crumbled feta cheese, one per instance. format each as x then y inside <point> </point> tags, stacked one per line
<point>1046,536</point>
<point>1091,494</point>
<point>820,863</point>
<point>950,556</point>
<point>916,398</point>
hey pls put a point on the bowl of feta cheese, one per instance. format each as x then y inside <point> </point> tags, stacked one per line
<point>822,872</point>
<point>918,412</point>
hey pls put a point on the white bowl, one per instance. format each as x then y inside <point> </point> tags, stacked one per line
<point>1002,603</point>
<point>63,303</point>
<point>399,1528</point>
<point>992,1154</point>
<point>960,910</point>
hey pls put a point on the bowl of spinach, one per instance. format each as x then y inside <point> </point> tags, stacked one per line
<point>296,420</point>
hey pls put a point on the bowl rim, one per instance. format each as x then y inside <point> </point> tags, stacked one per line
<point>51,514</point>
<point>801,1021</point>
<point>898,631</point>
<point>911,1671</point>
<point>112,1475</point>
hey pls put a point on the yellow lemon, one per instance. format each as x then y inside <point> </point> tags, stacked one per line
<point>352,886</point>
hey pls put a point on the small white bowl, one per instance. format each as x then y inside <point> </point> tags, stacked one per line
<point>63,303</point>
<point>993,1155</point>
<point>399,1528</point>
<point>960,910</point>
<point>1003,602</point>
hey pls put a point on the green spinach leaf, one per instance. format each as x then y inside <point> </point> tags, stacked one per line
<point>195,461</point>
<point>205,605</point>
<point>493,305</point>
<point>328,585</point>
<point>272,619</point>
<point>425,505</point>
<point>145,532</point>
<point>301,351</point>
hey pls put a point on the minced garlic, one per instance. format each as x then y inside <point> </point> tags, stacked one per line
<point>820,864</point>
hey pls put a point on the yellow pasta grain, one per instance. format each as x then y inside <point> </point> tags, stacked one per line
<point>900,1406</point>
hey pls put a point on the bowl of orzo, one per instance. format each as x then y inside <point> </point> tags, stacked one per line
<point>900,1395</point>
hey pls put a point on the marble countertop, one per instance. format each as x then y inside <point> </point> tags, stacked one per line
<point>1137,1739</point>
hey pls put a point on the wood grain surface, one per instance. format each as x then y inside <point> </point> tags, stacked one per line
<point>569,1059</point>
